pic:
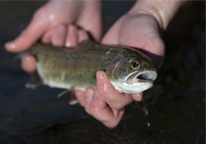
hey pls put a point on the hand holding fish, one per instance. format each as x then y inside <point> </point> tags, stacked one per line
<point>106,104</point>
<point>139,28</point>
<point>138,31</point>
<point>52,23</point>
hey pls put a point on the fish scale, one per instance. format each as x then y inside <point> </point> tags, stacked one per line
<point>77,67</point>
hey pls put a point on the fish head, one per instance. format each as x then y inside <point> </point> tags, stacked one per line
<point>132,72</point>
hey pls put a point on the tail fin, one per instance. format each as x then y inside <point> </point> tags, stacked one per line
<point>31,51</point>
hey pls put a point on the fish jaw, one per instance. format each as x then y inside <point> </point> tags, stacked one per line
<point>137,87</point>
<point>131,88</point>
<point>135,82</point>
<point>146,76</point>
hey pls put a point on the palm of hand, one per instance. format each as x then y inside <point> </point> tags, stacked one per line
<point>51,23</point>
<point>139,31</point>
<point>78,13</point>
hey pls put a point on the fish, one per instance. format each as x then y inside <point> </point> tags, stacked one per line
<point>128,70</point>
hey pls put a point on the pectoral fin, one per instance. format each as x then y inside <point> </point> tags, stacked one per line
<point>64,92</point>
<point>72,99</point>
<point>34,81</point>
<point>142,107</point>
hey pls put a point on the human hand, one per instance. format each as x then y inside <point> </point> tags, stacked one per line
<point>52,23</point>
<point>140,31</point>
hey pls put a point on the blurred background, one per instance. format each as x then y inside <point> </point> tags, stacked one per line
<point>176,103</point>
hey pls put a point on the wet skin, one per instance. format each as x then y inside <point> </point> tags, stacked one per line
<point>139,28</point>
<point>128,70</point>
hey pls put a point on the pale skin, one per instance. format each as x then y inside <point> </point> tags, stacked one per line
<point>140,28</point>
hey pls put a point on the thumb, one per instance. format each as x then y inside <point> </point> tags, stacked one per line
<point>30,35</point>
<point>137,97</point>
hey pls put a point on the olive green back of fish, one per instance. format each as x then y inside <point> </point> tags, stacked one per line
<point>75,66</point>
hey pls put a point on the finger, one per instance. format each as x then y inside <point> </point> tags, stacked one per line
<point>137,97</point>
<point>29,63</point>
<point>58,36</point>
<point>31,34</point>
<point>71,39</point>
<point>115,99</point>
<point>80,97</point>
<point>46,39</point>
<point>91,20</point>
<point>82,35</point>
<point>102,112</point>
<point>88,98</point>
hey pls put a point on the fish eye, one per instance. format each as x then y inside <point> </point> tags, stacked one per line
<point>135,65</point>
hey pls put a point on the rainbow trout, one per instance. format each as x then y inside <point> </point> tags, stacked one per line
<point>128,70</point>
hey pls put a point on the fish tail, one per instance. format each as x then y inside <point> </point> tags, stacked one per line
<point>31,51</point>
<point>18,56</point>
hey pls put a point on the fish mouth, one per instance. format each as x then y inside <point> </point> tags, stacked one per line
<point>141,77</point>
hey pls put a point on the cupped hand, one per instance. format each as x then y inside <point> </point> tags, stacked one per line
<point>52,23</point>
<point>140,31</point>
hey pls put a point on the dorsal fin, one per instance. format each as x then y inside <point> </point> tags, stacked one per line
<point>86,42</point>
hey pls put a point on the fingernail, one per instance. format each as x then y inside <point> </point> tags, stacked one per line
<point>99,77</point>
<point>68,44</point>
<point>10,45</point>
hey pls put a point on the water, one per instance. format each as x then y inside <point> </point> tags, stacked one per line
<point>176,103</point>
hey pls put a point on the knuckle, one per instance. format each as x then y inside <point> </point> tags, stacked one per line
<point>114,122</point>
<point>93,108</point>
<point>103,90</point>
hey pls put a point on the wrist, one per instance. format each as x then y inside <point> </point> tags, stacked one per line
<point>163,11</point>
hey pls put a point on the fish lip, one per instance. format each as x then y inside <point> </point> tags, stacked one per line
<point>143,76</point>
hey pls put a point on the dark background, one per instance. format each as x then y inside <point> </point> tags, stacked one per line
<point>176,103</point>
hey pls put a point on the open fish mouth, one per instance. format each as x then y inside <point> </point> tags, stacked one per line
<point>144,76</point>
